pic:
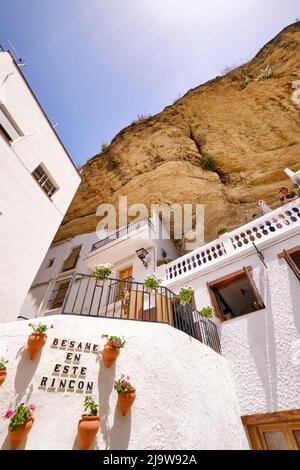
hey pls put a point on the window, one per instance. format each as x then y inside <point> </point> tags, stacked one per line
<point>58,294</point>
<point>71,261</point>
<point>44,181</point>
<point>8,127</point>
<point>292,257</point>
<point>235,295</point>
<point>274,431</point>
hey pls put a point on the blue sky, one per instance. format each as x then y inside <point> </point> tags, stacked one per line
<point>96,64</point>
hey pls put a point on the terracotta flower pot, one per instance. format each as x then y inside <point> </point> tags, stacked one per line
<point>3,374</point>
<point>125,401</point>
<point>87,429</point>
<point>110,355</point>
<point>35,343</point>
<point>16,437</point>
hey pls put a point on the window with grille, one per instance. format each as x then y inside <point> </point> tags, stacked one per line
<point>44,180</point>
<point>58,294</point>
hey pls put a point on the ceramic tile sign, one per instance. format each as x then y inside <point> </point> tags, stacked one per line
<point>70,373</point>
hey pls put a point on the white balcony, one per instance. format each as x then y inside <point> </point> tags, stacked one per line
<point>261,232</point>
<point>122,244</point>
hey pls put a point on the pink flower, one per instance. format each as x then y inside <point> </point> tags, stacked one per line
<point>123,375</point>
<point>8,414</point>
<point>124,383</point>
<point>29,324</point>
<point>32,407</point>
<point>116,344</point>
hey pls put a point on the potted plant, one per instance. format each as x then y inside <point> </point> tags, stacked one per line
<point>21,421</point>
<point>3,372</point>
<point>228,316</point>
<point>89,423</point>
<point>126,394</point>
<point>103,271</point>
<point>152,282</point>
<point>185,294</point>
<point>220,229</point>
<point>112,349</point>
<point>206,312</point>
<point>37,339</point>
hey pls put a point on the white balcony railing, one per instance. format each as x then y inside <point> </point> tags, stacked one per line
<point>267,227</point>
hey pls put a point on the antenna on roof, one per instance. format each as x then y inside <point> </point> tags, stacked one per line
<point>17,56</point>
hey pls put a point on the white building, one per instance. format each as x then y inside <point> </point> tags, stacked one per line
<point>251,278</point>
<point>79,255</point>
<point>229,382</point>
<point>37,183</point>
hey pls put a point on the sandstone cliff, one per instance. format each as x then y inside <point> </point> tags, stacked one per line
<point>250,133</point>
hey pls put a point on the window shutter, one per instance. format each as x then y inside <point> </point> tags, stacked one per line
<point>254,288</point>
<point>291,264</point>
<point>71,261</point>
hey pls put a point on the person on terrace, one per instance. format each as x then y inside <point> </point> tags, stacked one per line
<point>286,195</point>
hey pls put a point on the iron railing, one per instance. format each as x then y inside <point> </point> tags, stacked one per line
<point>122,232</point>
<point>130,300</point>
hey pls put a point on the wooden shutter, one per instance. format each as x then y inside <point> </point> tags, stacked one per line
<point>291,264</point>
<point>254,288</point>
<point>71,261</point>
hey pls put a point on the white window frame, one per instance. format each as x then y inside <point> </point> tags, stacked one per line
<point>43,179</point>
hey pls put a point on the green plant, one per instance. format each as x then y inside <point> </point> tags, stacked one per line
<point>19,416</point>
<point>122,384</point>
<point>247,80</point>
<point>115,342</point>
<point>206,312</point>
<point>152,281</point>
<point>103,271</point>
<point>40,328</point>
<point>104,147</point>
<point>91,406</point>
<point>140,118</point>
<point>3,363</point>
<point>297,190</point>
<point>228,316</point>
<point>264,73</point>
<point>186,293</point>
<point>221,228</point>
<point>207,163</point>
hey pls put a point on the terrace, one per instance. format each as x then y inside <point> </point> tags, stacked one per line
<point>282,222</point>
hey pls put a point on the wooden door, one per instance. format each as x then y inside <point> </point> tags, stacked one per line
<point>123,274</point>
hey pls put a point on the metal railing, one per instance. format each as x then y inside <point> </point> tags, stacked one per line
<point>122,232</point>
<point>130,300</point>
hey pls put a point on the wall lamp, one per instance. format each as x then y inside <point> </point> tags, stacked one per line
<point>143,256</point>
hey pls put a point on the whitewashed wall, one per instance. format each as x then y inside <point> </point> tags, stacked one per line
<point>262,348</point>
<point>37,298</point>
<point>185,395</point>
<point>29,219</point>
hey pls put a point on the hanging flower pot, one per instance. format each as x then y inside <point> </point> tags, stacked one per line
<point>125,401</point>
<point>126,394</point>
<point>37,339</point>
<point>88,425</point>
<point>21,421</point>
<point>35,343</point>
<point>3,371</point>
<point>112,349</point>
